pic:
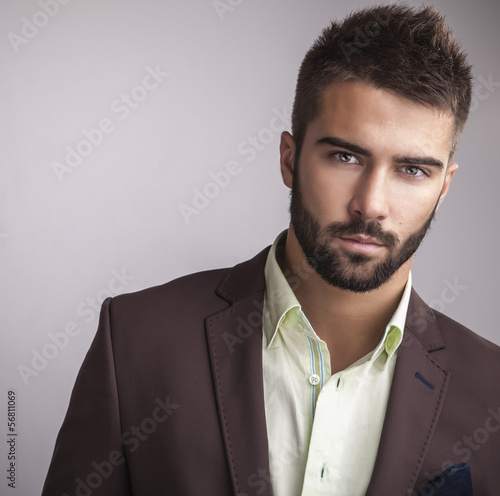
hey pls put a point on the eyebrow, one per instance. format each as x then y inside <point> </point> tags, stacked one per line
<point>334,141</point>
<point>433,162</point>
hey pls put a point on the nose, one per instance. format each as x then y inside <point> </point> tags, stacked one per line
<point>371,196</point>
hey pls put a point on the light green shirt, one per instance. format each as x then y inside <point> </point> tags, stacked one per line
<point>323,430</point>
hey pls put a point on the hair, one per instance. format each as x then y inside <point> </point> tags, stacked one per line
<point>409,52</point>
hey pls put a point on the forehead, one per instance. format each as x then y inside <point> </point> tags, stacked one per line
<point>382,121</point>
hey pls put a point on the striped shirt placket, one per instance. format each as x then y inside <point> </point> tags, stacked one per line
<point>316,369</point>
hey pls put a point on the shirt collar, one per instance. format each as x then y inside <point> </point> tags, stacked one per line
<point>393,335</point>
<point>280,299</point>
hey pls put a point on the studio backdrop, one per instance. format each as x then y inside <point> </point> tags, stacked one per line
<point>139,142</point>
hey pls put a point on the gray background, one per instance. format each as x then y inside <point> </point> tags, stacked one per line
<point>118,210</point>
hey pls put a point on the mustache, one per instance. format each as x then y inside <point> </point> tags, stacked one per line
<point>360,226</point>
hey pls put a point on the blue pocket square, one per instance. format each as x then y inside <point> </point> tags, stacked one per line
<point>456,480</point>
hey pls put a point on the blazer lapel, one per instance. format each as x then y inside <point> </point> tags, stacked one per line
<point>235,346</point>
<point>415,402</point>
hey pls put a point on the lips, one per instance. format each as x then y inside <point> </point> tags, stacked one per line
<point>361,243</point>
<point>362,238</point>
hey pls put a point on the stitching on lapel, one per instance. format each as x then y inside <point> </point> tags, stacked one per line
<point>431,428</point>
<point>219,396</point>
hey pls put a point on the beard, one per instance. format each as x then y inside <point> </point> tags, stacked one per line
<point>341,268</point>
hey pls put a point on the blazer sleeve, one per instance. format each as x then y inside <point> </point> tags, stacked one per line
<point>89,457</point>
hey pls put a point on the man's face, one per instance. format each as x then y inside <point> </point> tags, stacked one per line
<point>372,170</point>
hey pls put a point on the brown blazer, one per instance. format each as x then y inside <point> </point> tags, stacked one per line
<point>169,399</point>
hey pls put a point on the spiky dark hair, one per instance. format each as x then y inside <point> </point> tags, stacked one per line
<point>410,52</point>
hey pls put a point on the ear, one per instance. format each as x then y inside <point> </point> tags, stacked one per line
<point>287,157</point>
<point>450,171</point>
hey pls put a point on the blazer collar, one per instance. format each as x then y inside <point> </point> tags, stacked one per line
<point>244,279</point>
<point>421,322</point>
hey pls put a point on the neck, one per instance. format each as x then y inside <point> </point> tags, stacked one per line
<point>350,323</point>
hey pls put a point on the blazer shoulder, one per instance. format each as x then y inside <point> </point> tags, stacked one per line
<point>454,332</point>
<point>466,351</point>
<point>190,290</point>
<point>441,334</point>
<point>201,290</point>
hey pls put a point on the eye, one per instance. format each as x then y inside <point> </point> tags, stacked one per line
<point>414,171</point>
<point>345,158</point>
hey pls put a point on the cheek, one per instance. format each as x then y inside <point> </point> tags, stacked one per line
<point>326,195</point>
<point>411,209</point>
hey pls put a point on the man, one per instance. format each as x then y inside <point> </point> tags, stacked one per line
<point>313,368</point>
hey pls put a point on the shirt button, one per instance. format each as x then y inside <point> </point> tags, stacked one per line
<point>300,327</point>
<point>314,379</point>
